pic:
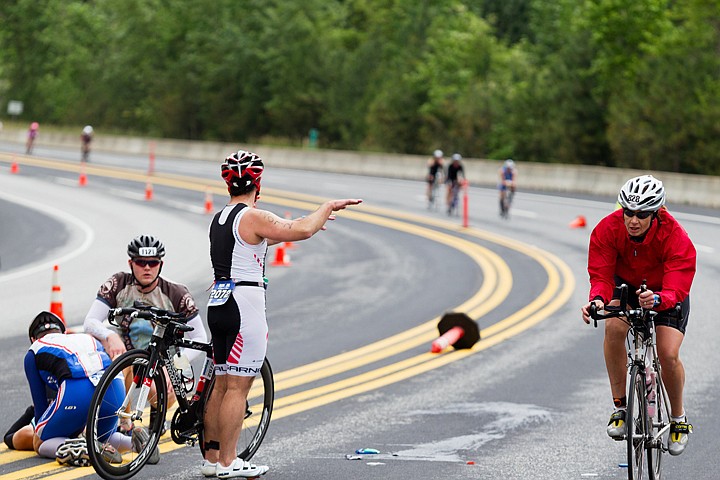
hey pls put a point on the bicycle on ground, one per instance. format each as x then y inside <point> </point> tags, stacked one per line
<point>648,406</point>
<point>140,406</point>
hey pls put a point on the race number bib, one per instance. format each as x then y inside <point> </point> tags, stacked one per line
<point>221,291</point>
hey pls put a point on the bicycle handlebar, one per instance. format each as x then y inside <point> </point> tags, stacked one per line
<point>622,310</point>
<point>619,311</point>
<point>149,312</point>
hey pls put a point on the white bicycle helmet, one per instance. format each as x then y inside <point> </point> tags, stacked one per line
<point>509,163</point>
<point>456,156</point>
<point>644,193</point>
<point>438,153</point>
<point>88,130</point>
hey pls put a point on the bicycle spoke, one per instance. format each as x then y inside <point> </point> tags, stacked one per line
<point>114,453</point>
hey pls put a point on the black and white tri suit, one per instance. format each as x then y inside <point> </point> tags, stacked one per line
<point>238,327</point>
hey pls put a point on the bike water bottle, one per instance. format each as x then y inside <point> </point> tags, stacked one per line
<point>651,390</point>
<point>185,370</point>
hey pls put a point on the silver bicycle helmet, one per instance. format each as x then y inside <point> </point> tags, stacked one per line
<point>643,193</point>
<point>145,246</point>
<point>456,156</point>
<point>438,153</point>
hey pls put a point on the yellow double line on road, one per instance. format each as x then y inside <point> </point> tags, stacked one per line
<point>497,283</point>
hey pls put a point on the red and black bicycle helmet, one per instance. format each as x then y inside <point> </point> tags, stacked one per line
<point>242,169</point>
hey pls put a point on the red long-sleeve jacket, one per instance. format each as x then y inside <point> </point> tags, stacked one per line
<point>666,258</point>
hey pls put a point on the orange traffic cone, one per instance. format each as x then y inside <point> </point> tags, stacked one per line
<point>148,191</point>
<point>56,306</point>
<point>579,222</point>
<point>208,202</point>
<point>14,168</point>
<point>82,180</point>
<point>281,260</point>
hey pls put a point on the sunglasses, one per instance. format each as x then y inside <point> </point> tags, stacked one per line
<point>147,263</point>
<point>641,215</point>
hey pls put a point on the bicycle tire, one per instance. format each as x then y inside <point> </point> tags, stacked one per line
<point>432,199</point>
<point>657,423</point>
<point>454,201</point>
<point>98,431</point>
<point>636,423</point>
<point>255,425</point>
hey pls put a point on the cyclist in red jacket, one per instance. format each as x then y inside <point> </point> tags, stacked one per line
<point>644,242</point>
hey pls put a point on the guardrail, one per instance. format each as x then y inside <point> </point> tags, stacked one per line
<point>700,190</point>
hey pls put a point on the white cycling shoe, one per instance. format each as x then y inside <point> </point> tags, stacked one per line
<point>208,468</point>
<point>678,439</point>
<point>240,468</point>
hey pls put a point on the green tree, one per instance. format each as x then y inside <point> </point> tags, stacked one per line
<point>668,116</point>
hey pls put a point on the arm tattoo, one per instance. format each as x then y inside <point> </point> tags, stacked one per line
<point>276,221</point>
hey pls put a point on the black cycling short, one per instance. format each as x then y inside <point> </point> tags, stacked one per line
<point>669,318</point>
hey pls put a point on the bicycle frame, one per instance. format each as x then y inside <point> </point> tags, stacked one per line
<point>158,349</point>
<point>644,355</point>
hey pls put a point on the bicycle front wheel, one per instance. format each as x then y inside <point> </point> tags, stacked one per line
<point>659,428</point>
<point>635,423</point>
<point>126,396</point>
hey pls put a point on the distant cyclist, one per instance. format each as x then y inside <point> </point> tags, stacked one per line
<point>31,136</point>
<point>72,365</point>
<point>455,172</point>
<point>506,186</point>
<point>434,176</point>
<point>643,242</point>
<point>85,138</point>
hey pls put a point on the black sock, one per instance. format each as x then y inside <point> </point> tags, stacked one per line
<point>24,419</point>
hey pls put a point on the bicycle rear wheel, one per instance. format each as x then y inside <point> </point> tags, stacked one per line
<point>659,427</point>
<point>114,403</point>
<point>258,411</point>
<point>635,423</point>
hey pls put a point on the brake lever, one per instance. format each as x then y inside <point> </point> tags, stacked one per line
<point>593,312</point>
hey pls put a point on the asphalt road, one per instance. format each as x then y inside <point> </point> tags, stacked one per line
<point>357,307</point>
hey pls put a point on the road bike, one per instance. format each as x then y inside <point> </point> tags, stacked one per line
<point>433,194</point>
<point>453,206</point>
<point>85,152</point>
<point>647,418</point>
<point>145,404</point>
<point>506,198</point>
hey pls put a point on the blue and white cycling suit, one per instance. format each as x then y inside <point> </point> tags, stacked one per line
<point>507,176</point>
<point>72,365</point>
